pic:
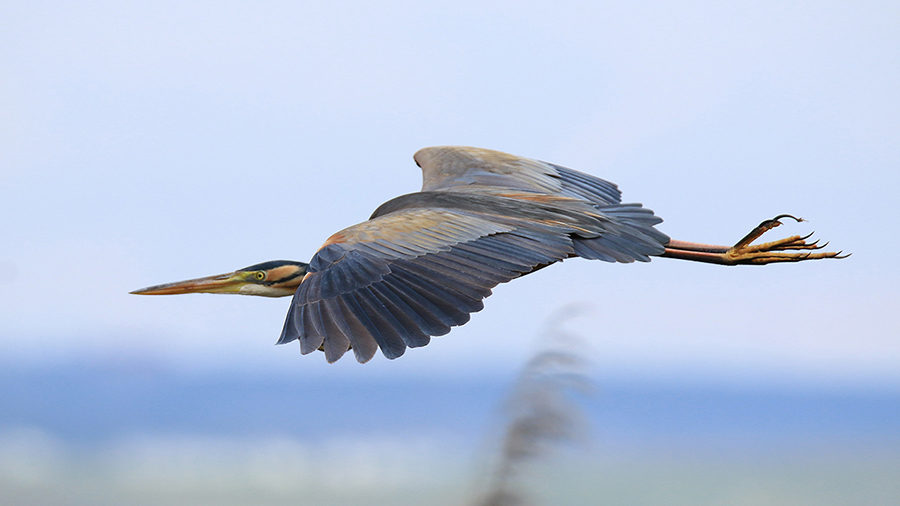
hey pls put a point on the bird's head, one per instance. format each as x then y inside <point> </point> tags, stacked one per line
<point>278,278</point>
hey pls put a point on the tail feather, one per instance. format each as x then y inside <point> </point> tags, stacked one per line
<point>631,236</point>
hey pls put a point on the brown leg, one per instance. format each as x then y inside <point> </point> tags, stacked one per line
<point>789,249</point>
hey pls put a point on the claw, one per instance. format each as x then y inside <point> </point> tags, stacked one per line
<point>780,216</point>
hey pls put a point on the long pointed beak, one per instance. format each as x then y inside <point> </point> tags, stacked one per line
<point>223,283</point>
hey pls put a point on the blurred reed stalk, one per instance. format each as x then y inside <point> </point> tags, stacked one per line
<point>542,411</point>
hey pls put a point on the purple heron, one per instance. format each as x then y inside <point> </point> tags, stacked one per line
<point>424,261</point>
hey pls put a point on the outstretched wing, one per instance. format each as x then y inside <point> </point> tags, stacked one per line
<point>460,168</point>
<point>425,261</point>
<point>630,235</point>
<point>394,281</point>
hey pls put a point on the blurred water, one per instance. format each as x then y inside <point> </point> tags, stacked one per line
<point>136,434</point>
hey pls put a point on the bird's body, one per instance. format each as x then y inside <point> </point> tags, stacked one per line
<point>424,262</point>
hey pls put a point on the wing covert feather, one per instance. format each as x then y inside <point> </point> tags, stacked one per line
<point>460,168</point>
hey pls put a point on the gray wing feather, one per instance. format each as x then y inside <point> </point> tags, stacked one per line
<point>591,188</point>
<point>364,301</point>
<point>416,269</point>
<point>462,168</point>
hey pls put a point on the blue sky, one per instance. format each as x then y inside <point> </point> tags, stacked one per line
<point>150,142</point>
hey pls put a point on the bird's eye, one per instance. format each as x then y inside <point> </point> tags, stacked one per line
<point>260,275</point>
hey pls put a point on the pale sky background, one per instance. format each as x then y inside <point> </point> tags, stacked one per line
<point>147,143</point>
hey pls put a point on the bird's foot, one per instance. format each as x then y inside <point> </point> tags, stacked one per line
<point>790,249</point>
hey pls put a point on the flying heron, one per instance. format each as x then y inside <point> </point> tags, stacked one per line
<point>424,261</point>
